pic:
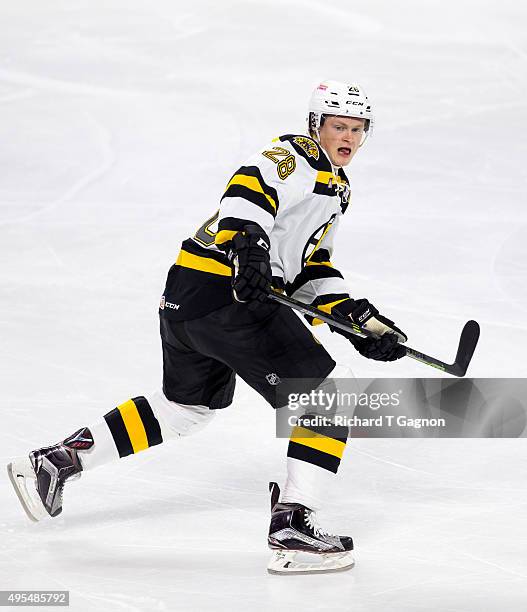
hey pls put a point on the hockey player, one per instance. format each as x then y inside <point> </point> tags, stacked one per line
<point>275,228</point>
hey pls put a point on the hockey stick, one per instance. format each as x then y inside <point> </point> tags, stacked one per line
<point>465,350</point>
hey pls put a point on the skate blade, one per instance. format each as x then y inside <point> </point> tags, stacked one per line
<point>298,562</point>
<point>18,480</point>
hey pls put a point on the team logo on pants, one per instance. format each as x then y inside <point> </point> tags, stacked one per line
<point>273,379</point>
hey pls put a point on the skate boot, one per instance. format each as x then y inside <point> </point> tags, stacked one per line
<point>300,546</point>
<point>48,468</point>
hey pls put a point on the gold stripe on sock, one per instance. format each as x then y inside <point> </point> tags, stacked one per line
<point>306,437</point>
<point>134,426</point>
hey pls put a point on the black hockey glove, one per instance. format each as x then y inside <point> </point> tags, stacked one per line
<point>385,348</point>
<point>249,253</point>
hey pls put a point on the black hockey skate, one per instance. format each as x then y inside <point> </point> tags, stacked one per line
<point>49,468</point>
<point>300,546</point>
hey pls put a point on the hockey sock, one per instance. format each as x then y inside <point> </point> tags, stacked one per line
<point>139,424</point>
<point>313,459</point>
<point>125,430</point>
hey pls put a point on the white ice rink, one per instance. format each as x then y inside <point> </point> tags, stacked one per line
<point>120,124</point>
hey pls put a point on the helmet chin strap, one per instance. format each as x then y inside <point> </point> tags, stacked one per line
<point>314,127</point>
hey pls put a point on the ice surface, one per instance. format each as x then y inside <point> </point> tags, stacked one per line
<point>120,123</point>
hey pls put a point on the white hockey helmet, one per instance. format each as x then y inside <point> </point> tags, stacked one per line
<point>339,99</point>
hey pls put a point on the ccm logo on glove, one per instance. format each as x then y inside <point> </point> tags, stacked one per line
<point>384,348</point>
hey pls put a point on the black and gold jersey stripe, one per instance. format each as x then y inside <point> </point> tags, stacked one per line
<point>330,184</point>
<point>309,273</point>
<point>327,183</point>
<point>193,257</point>
<point>202,264</point>
<point>322,447</point>
<point>321,256</point>
<point>196,257</point>
<point>248,183</point>
<point>133,426</point>
<point>228,227</point>
<point>326,303</point>
<point>199,282</point>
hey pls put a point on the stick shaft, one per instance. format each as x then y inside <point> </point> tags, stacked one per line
<point>356,330</point>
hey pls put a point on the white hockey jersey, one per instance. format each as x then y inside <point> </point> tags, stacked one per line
<point>292,191</point>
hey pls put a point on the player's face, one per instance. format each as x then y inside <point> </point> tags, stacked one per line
<point>341,137</point>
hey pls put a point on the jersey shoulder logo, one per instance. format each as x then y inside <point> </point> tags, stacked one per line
<point>308,145</point>
<point>308,149</point>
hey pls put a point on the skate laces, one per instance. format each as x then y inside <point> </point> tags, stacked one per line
<point>312,522</point>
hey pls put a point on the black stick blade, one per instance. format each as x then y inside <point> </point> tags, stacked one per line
<point>467,345</point>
